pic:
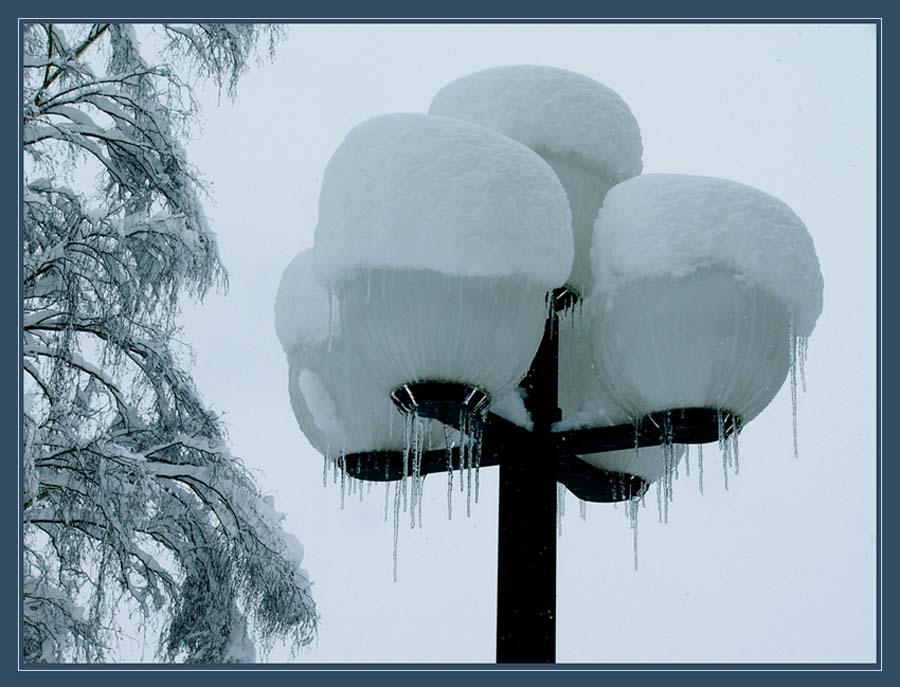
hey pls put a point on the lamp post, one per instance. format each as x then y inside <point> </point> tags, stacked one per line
<point>453,242</point>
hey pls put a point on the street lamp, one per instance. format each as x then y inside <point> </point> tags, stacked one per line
<point>705,292</point>
<point>469,277</point>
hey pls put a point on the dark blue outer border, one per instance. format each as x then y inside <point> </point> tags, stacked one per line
<point>450,12</point>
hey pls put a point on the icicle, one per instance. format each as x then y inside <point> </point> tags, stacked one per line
<point>793,349</point>
<point>667,481</point>
<point>463,438</point>
<point>397,491</point>
<point>668,464</point>
<point>637,457</point>
<point>420,453</point>
<point>325,470</point>
<point>331,298</point>
<point>560,507</point>
<point>659,509</point>
<point>343,479</point>
<point>449,447</point>
<point>723,445</point>
<point>633,505</point>
<point>582,509</point>
<point>387,492</point>
<point>803,344</point>
<point>700,466</point>
<point>687,460</point>
<point>476,449</point>
<point>726,451</point>
<point>416,467</point>
<point>468,417</point>
<point>406,448</point>
<point>735,453</point>
<point>420,499</point>
<point>721,427</point>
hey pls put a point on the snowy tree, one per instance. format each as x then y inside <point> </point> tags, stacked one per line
<point>131,496</point>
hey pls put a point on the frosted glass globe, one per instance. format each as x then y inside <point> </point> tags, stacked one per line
<point>440,240</point>
<point>704,340</point>
<point>337,403</point>
<point>586,403</point>
<point>421,325</point>
<point>705,291</point>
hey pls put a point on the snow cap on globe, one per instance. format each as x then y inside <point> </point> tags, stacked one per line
<point>303,317</point>
<point>422,192</point>
<point>671,225</point>
<point>549,109</point>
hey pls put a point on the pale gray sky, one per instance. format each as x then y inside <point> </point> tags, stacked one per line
<point>781,567</point>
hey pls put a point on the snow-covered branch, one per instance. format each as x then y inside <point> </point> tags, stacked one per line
<point>130,490</point>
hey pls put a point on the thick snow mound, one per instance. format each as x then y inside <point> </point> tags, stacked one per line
<point>549,109</point>
<point>415,191</point>
<point>302,317</point>
<point>670,226</point>
<point>511,407</point>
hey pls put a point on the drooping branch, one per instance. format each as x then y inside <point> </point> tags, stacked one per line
<point>130,490</point>
<point>96,32</point>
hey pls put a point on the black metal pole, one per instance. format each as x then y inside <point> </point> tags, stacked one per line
<point>526,547</point>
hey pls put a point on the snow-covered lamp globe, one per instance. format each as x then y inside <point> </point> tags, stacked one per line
<point>584,130</point>
<point>337,403</point>
<point>705,293</point>
<point>585,404</point>
<point>441,239</point>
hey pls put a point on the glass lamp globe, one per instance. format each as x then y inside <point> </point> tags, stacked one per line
<point>585,403</point>
<point>440,240</point>
<point>705,292</point>
<point>336,402</point>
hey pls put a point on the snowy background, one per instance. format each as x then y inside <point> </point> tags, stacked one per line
<point>782,565</point>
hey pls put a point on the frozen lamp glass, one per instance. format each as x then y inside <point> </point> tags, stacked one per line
<point>441,239</point>
<point>585,403</point>
<point>705,292</point>
<point>336,401</point>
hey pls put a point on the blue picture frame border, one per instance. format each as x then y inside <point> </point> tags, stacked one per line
<point>877,13</point>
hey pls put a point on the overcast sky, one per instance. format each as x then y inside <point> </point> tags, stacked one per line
<point>781,567</point>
